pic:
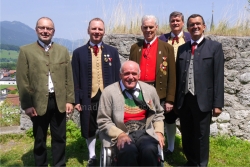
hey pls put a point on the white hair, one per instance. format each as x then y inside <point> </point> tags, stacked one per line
<point>121,69</point>
<point>147,17</point>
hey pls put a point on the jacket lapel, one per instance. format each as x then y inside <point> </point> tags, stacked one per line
<point>159,56</point>
<point>148,100</point>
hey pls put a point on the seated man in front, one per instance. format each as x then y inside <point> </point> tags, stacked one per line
<point>130,116</point>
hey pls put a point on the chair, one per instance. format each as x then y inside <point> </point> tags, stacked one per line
<point>108,156</point>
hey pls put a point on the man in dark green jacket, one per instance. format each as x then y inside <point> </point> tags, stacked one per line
<point>45,84</point>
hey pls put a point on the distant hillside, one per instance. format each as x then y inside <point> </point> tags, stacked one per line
<point>17,33</point>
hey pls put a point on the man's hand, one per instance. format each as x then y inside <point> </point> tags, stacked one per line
<point>169,106</point>
<point>78,107</point>
<point>216,112</point>
<point>69,108</point>
<point>31,112</point>
<point>122,139</point>
<point>161,139</point>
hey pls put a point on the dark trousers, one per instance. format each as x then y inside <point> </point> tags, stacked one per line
<point>195,130</point>
<point>142,151</point>
<point>57,122</point>
<point>93,114</point>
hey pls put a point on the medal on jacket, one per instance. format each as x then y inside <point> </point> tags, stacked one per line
<point>106,58</point>
<point>163,66</point>
<point>110,60</point>
<point>164,63</point>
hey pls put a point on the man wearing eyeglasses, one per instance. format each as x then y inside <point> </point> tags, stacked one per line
<point>199,91</point>
<point>157,62</point>
<point>46,91</point>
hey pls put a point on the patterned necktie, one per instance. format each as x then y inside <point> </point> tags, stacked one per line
<point>140,103</point>
<point>95,50</point>
<point>175,38</point>
<point>193,47</point>
<point>147,50</point>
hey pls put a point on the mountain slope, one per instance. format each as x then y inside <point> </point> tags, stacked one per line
<point>17,33</point>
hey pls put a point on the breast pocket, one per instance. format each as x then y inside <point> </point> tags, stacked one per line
<point>208,61</point>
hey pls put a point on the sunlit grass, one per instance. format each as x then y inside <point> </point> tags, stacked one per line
<point>126,20</point>
<point>17,150</point>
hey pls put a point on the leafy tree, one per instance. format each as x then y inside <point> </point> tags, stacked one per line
<point>8,66</point>
<point>9,47</point>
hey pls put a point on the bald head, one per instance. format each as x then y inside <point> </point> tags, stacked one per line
<point>130,63</point>
<point>130,74</point>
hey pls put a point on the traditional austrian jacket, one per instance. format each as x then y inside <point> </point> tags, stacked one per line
<point>82,73</point>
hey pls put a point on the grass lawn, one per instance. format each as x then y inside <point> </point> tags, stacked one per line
<point>16,150</point>
<point>8,54</point>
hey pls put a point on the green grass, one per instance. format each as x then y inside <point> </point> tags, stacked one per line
<point>16,150</point>
<point>8,54</point>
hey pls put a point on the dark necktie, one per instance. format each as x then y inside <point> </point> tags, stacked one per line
<point>95,50</point>
<point>193,47</point>
<point>147,46</point>
<point>140,103</point>
<point>175,38</point>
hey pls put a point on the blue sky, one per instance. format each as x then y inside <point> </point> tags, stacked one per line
<point>71,17</point>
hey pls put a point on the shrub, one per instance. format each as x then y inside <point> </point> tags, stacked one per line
<point>9,114</point>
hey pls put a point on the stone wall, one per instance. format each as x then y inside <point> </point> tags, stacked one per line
<point>235,119</point>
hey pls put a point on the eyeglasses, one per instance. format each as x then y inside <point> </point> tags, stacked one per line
<point>47,28</point>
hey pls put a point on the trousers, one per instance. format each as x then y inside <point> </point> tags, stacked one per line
<point>57,123</point>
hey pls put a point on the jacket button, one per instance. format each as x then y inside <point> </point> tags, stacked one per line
<point>160,88</point>
<point>160,82</point>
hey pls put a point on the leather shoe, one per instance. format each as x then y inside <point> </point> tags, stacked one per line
<point>167,152</point>
<point>92,162</point>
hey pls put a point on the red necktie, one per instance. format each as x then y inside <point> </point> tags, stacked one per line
<point>193,47</point>
<point>175,38</point>
<point>95,50</point>
<point>147,50</point>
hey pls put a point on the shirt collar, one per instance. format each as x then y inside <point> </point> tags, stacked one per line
<point>46,47</point>
<point>179,35</point>
<point>92,44</point>
<point>198,41</point>
<point>151,41</point>
<point>124,88</point>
